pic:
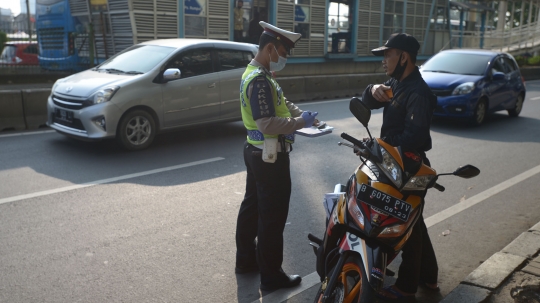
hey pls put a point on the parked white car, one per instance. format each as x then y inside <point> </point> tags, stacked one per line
<point>151,87</point>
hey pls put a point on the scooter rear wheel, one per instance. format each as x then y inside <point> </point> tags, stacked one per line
<point>352,285</point>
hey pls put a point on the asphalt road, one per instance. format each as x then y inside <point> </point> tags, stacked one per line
<point>89,222</point>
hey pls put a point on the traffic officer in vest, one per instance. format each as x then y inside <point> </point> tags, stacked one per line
<point>270,121</point>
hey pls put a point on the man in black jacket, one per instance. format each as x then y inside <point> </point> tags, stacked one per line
<point>408,108</point>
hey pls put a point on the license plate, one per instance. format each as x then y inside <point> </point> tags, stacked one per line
<point>394,207</point>
<point>64,115</point>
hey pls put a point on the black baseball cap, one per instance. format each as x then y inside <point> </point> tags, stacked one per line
<point>402,41</point>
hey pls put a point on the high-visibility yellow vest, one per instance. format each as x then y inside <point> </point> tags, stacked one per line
<point>255,136</point>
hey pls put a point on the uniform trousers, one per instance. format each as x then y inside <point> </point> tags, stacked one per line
<point>263,213</point>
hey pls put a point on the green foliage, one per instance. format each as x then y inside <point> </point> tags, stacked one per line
<point>521,60</point>
<point>534,60</point>
<point>3,39</point>
<point>527,61</point>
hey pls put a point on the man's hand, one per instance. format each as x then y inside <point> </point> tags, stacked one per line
<point>379,92</point>
<point>309,118</point>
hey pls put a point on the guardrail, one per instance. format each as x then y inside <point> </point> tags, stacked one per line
<point>514,41</point>
<point>27,108</point>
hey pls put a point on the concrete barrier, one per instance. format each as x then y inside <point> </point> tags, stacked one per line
<point>530,73</point>
<point>27,108</point>
<point>293,88</point>
<point>35,107</point>
<point>11,110</point>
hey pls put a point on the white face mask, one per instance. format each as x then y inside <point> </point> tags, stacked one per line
<point>277,66</point>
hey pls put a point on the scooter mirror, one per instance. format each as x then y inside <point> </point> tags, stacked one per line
<point>467,171</point>
<point>360,111</point>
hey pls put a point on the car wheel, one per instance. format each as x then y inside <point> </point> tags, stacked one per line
<point>137,130</point>
<point>480,113</point>
<point>514,112</point>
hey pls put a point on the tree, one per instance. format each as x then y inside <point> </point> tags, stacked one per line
<point>3,40</point>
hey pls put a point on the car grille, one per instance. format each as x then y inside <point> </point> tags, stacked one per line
<point>70,103</point>
<point>75,123</point>
<point>442,92</point>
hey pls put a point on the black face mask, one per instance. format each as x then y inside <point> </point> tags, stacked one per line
<point>400,69</point>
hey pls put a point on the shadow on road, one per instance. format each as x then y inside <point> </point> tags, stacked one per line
<point>497,127</point>
<point>79,162</point>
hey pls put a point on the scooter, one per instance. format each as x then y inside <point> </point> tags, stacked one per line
<point>370,218</point>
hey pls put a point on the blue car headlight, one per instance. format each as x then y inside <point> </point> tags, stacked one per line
<point>464,88</point>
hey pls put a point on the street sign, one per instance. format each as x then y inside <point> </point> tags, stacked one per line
<point>195,7</point>
<point>301,13</point>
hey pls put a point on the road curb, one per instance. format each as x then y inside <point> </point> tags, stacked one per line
<point>491,274</point>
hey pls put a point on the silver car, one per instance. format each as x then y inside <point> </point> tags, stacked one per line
<point>151,87</point>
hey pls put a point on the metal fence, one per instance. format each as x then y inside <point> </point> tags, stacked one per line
<point>516,41</point>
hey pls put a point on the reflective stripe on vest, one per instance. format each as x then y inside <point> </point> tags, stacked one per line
<point>254,136</point>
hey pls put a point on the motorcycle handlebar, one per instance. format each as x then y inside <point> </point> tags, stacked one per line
<point>359,147</point>
<point>439,187</point>
<point>352,140</point>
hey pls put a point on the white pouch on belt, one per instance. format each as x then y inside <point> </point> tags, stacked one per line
<point>269,153</point>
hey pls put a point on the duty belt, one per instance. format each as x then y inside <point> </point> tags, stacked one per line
<point>256,135</point>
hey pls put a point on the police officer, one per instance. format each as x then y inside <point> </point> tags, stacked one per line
<point>270,121</point>
<point>408,108</point>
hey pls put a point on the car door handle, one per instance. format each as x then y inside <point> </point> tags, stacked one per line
<point>213,85</point>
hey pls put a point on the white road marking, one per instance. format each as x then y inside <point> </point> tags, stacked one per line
<point>535,98</point>
<point>313,278</point>
<point>281,295</point>
<point>103,181</point>
<point>28,133</point>
<point>461,206</point>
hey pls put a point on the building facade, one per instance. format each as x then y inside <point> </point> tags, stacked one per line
<point>331,29</point>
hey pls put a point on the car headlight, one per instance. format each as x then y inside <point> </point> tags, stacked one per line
<point>390,167</point>
<point>418,182</point>
<point>464,88</point>
<point>105,94</point>
<point>56,84</point>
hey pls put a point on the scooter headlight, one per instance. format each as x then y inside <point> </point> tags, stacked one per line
<point>418,182</point>
<point>390,167</point>
<point>393,231</point>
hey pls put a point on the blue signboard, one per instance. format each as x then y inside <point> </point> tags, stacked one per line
<point>194,7</point>
<point>301,13</point>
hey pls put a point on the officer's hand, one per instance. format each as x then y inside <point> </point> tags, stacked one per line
<point>378,92</point>
<point>309,118</point>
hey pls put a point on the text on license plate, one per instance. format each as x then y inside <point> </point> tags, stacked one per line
<point>393,206</point>
<point>65,115</point>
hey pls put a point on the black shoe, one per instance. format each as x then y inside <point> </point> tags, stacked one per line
<point>284,281</point>
<point>244,269</point>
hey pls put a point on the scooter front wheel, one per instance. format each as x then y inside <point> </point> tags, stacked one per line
<point>352,285</point>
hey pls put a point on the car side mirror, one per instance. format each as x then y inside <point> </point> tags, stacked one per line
<point>498,76</point>
<point>360,111</point>
<point>467,171</point>
<point>172,74</point>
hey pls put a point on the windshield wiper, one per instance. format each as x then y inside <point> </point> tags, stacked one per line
<point>114,70</point>
<point>134,72</point>
<point>439,71</point>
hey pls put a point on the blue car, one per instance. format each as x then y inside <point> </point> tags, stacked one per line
<point>473,83</point>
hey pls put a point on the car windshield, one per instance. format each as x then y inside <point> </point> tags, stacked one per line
<point>8,53</point>
<point>457,63</point>
<point>138,59</point>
